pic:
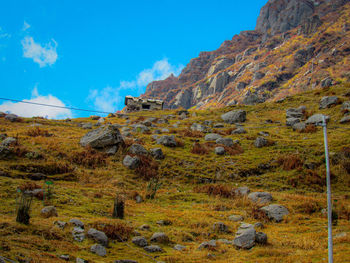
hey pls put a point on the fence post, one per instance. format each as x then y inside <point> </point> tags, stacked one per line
<point>329,195</point>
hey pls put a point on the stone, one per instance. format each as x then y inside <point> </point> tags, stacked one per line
<point>258,225</point>
<point>218,125</point>
<point>144,227</point>
<point>261,238</point>
<point>140,128</point>
<point>138,199</point>
<point>297,113</point>
<point>346,106</point>
<point>80,260</point>
<point>65,257</point>
<point>48,211</point>
<point>235,218</point>
<point>131,162</point>
<point>60,224</point>
<point>245,239</point>
<point>76,222</point>
<point>5,153</point>
<point>207,244</point>
<point>179,247</point>
<point>167,140</point>
<point>219,150</point>
<point>12,117</point>
<point>78,234</point>
<point>292,121</point>
<point>100,121</point>
<point>260,197</point>
<point>225,141</point>
<point>234,116</point>
<point>275,212</point>
<point>157,153</point>
<point>99,236</point>
<point>165,130</point>
<point>212,137</point>
<point>316,119</point>
<point>300,127</point>
<point>239,130</point>
<point>98,250</point>
<point>260,142</point>
<point>8,141</point>
<point>199,127</point>
<point>242,191</point>
<point>164,222</point>
<point>103,138</point>
<point>139,241</point>
<point>137,149</point>
<point>327,102</point>
<point>160,237</point>
<point>153,248</point>
<point>220,227</point>
<point>327,82</point>
<point>345,119</point>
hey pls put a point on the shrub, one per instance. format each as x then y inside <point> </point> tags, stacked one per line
<point>216,190</point>
<point>257,214</point>
<point>89,158</point>
<point>290,162</point>
<point>310,129</point>
<point>114,230</point>
<point>148,167</point>
<point>35,132</point>
<point>199,149</point>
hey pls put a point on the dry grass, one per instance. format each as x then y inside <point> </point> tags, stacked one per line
<point>90,158</point>
<point>191,134</point>
<point>148,168</point>
<point>290,162</point>
<point>199,149</point>
<point>35,132</point>
<point>216,190</point>
<point>115,230</point>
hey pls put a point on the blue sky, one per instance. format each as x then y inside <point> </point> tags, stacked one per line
<point>90,54</point>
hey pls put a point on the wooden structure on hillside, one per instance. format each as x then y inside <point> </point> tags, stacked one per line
<point>138,104</point>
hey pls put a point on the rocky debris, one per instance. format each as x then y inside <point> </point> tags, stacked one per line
<point>345,119</point>
<point>99,236</point>
<point>165,130</point>
<point>157,153</point>
<point>235,218</point>
<point>98,250</point>
<point>8,141</point>
<point>316,119</point>
<point>60,224</point>
<point>131,162</point>
<point>327,82</point>
<point>220,227</point>
<point>260,197</point>
<point>327,102</point>
<point>179,247</point>
<point>106,138</point>
<point>48,211</point>
<point>261,238</point>
<point>225,141</point>
<point>163,121</point>
<point>78,234</point>
<point>207,244</point>
<point>160,237</point>
<point>245,238</point>
<point>252,99</point>
<point>76,222</point>
<point>140,128</point>
<point>199,127</point>
<point>292,121</point>
<point>239,130</point>
<point>261,142</point>
<point>242,191</point>
<point>12,117</point>
<point>139,241</point>
<point>167,140</point>
<point>153,249</point>
<point>137,149</point>
<point>219,150</point>
<point>275,212</point>
<point>234,116</point>
<point>295,115</point>
<point>212,137</point>
<point>100,121</point>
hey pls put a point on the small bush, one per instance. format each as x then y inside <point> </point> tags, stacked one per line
<point>35,132</point>
<point>308,207</point>
<point>114,230</point>
<point>200,149</point>
<point>234,150</point>
<point>257,214</point>
<point>89,158</point>
<point>290,162</point>
<point>310,129</point>
<point>216,190</point>
<point>148,167</point>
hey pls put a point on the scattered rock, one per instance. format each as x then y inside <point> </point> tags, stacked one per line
<point>327,102</point>
<point>76,222</point>
<point>261,142</point>
<point>220,227</point>
<point>65,257</point>
<point>212,137</point>
<point>5,153</point>
<point>225,141</point>
<point>327,82</point>
<point>157,153</point>
<point>260,197</point>
<point>78,234</point>
<point>219,150</point>
<point>160,237</point>
<point>153,249</point>
<point>239,130</point>
<point>235,218</point>
<point>245,238</point>
<point>80,260</point>
<point>275,212</point>
<point>139,241</point>
<point>167,140</point>
<point>144,227</point>
<point>87,126</point>
<point>95,117</point>
<point>60,224</point>
<point>131,162</point>
<point>292,121</point>
<point>99,236</point>
<point>300,127</point>
<point>140,128</point>
<point>8,141</point>
<point>165,130</point>
<point>138,199</point>
<point>179,247</point>
<point>137,149</point>
<point>218,125</point>
<point>242,191</point>
<point>199,127</point>
<point>207,244</point>
<point>164,222</point>
<point>234,116</point>
<point>261,238</point>
<point>345,119</point>
<point>316,119</point>
<point>48,211</point>
<point>98,250</point>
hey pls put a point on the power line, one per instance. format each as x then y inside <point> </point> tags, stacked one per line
<point>53,106</point>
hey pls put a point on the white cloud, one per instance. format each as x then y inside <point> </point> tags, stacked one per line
<point>25,26</point>
<point>29,110</point>
<point>43,55</point>
<point>108,98</point>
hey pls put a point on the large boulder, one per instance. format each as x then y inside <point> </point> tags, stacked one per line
<point>260,197</point>
<point>275,212</point>
<point>106,138</point>
<point>316,119</point>
<point>234,116</point>
<point>327,102</point>
<point>99,236</point>
<point>167,140</point>
<point>245,238</point>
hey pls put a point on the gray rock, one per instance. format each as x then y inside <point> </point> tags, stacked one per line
<point>220,227</point>
<point>140,128</point>
<point>260,142</point>
<point>8,141</point>
<point>144,227</point>
<point>239,130</point>
<point>12,117</point>
<point>225,241</point>
<point>60,224</point>
<point>225,141</point>
<point>163,121</point>
<point>157,153</point>
<point>65,257</point>
<point>165,130</point>
<point>219,150</point>
<point>131,162</point>
<point>235,218</point>
<point>99,236</point>
<point>345,119</point>
<point>76,222</point>
<point>138,199</point>
<point>80,260</point>
<point>346,106</point>
<point>219,125</point>
<point>295,113</point>
<point>245,238</point>
<point>139,241</point>
<point>78,234</point>
<point>48,211</point>
<point>100,121</point>
<point>5,153</point>
<point>167,140</point>
<point>137,149</point>
<point>98,250</point>
<point>199,127</point>
<point>275,212</point>
<point>179,247</point>
<point>153,248</point>
<point>87,126</point>
<point>292,121</point>
<point>212,137</point>
<point>261,238</point>
<point>242,191</point>
<point>327,102</point>
<point>327,82</point>
<point>260,197</point>
<point>164,222</point>
<point>207,244</point>
<point>234,116</point>
<point>160,237</point>
<point>299,126</point>
<point>316,119</point>
<point>258,225</point>
<point>103,138</point>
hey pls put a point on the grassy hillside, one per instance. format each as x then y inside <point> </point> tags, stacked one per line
<point>86,182</point>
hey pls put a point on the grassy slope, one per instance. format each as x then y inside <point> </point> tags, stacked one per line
<point>302,237</point>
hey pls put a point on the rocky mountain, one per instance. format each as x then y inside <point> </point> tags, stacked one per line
<point>297,45</point>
